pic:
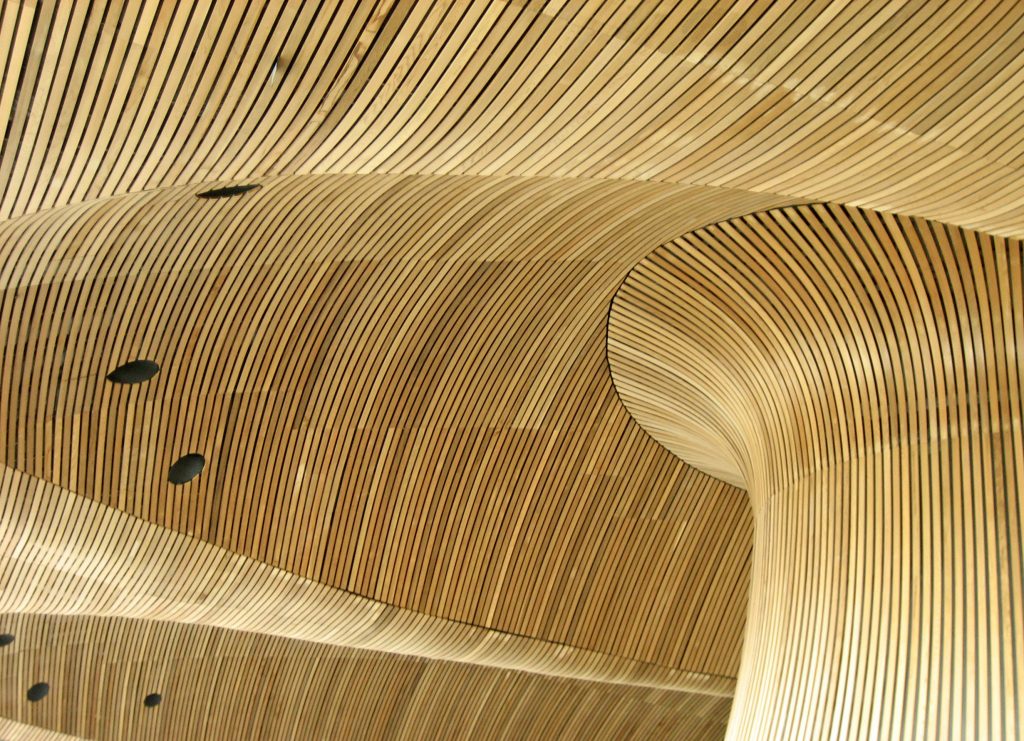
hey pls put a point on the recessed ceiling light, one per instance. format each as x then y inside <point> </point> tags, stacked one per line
<point>6,639</point>
<point>135,371</point>
<point>152,700</point>
<point>38,691</point>
<point>228,191</point>
<point>186,468</point>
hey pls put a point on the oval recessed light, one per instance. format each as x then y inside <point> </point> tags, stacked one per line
<point>6,639</point>
<point>38,691</point>
<point>228,191</point>
<point>135,371</point>
<point>152,700</point>
<point>186,468</point>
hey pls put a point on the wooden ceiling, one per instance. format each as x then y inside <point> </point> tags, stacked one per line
<point>234,684</point>
<point>874,417</point>
<point>561,347</point>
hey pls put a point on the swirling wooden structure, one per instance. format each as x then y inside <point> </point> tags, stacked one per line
<point>859,375</point>
<point>527,295</point>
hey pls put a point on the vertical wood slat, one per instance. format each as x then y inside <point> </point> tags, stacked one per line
<point>868,389</point>
<point>411,407</point>
<point>427,316</point>
<point>72,556</point>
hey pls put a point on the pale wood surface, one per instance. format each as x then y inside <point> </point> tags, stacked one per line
<point>12,730</point>
<point>860,375</point>
<point>217,683</point>
<point>401,407</point>
<point>393,354</point>
<point>911,106</point>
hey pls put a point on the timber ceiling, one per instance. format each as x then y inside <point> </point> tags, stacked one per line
<point>574,368</point>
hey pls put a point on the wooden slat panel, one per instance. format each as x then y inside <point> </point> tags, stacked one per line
<point>861,372</point>
<point>393,356</point>
<point>63,554</point>
<point>408,405</point>
<point>224,684</point>
<point>904,106</point>
<point>15,731</point>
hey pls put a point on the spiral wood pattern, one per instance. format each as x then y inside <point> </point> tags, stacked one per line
<point>859,373</point>
<point>393,356</point>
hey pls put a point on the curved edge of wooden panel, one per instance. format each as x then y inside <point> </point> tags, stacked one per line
<point>84,558</point>
<point>12,730</point>
<point>860,373</point>
<point>113,677</point>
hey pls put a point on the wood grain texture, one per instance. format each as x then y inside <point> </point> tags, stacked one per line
<point>414,409</point>
<point>224,684</point>
<point>12,730</point>
<point>908,106</point>
<point>393,355</point>
<point>79,557</point>
<point>860,374</point>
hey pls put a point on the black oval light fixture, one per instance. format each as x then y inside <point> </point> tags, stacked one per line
<point>186,468</point>
<point>6,639</point>
<point>38,691</point>
<point>135,371</point>
<point>152,700</point>
<point>228,191</point>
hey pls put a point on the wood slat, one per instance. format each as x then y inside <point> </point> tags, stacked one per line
<point>859,375</point>
<point>904,106</point>
<point>393,424</point>
<point>217,683</point>
<point>434,422</point>
<point>84,558</point>
<point>411,409</point>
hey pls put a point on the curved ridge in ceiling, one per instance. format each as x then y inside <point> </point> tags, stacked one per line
<point>858,373</point>
<point>394,357</point>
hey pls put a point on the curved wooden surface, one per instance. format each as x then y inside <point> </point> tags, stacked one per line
<point>102,562</point>
<point>359,412</point>
<point>15,731</point>
<point>859,373</point>
<point>909,106</point>
<point>396,406</point>
<point>217,683</point>
<point>393,357</point>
